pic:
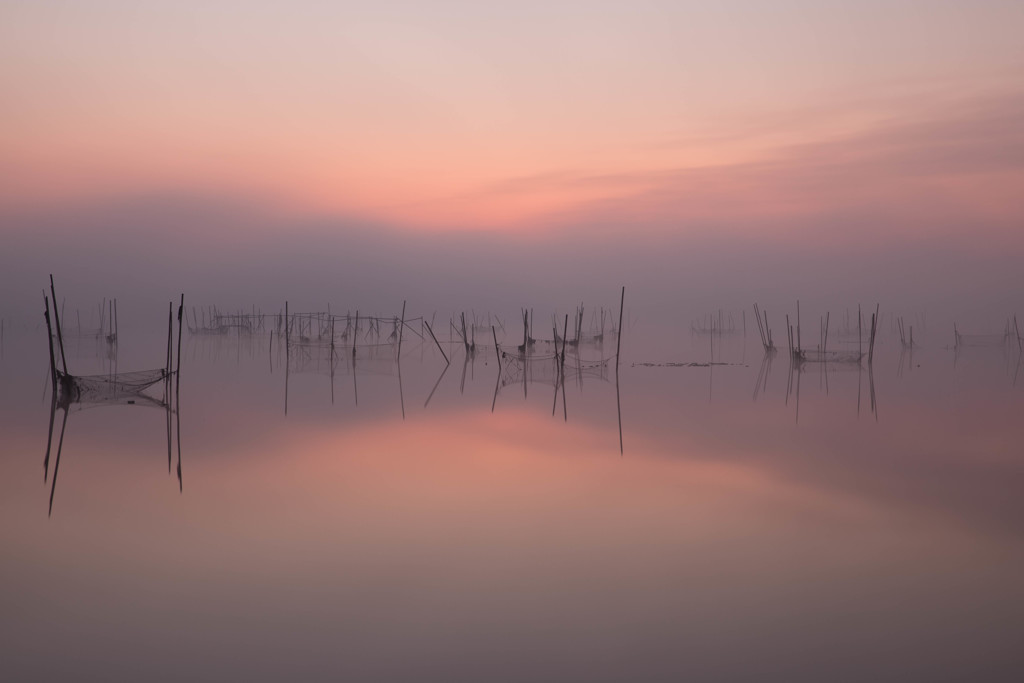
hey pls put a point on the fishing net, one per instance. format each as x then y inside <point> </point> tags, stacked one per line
<point>815,356</point>
<point>121,387</point>
<point>546,368</point>
<point>990,340</point>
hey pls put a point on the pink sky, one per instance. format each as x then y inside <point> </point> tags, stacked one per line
<point>450,115</point>
<point>486,155</point>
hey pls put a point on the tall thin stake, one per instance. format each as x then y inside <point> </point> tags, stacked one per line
<point>49,339</point>
<point>56,320</point>
<point>401,328</point>
<point>177,378</point>
<point>618,343</point>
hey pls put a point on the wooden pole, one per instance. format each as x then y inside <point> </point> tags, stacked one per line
<point>554,331</point>
<point>860,344</point>
<point>760,328</point>
<point>799,346</point>
<point>618,343</point>
<point>49,339</point>
<point>56,320</point>
<point>177,379</point>
<point>824,346</point>
<point>565,334</point>
<point>401,328</point>
<point>170,334</point>
<point>526,333</point>
<point>871,342</point>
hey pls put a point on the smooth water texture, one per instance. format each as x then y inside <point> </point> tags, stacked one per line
<point>478,522</point>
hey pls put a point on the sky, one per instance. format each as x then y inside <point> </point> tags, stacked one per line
<point>523,146</point>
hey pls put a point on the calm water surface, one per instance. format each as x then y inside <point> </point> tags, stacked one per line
<point>758,524</point>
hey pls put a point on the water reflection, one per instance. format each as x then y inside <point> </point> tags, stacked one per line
<point>78,402</point>
<point>468,537</point>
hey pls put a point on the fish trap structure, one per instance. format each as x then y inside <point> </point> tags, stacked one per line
<point>1007,339</point>
<point>718,323</point>
<point>821,354</point>
<point>111,387</point>
<point>79,392</point>
<point>329,330</point>
<point>548,369</point>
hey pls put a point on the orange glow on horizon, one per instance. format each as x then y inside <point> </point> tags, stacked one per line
<point>438,122</point>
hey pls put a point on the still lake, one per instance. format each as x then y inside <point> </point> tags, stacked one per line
<point>479,522</point>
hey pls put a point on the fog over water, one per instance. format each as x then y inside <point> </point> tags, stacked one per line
<point>422,521</point>
<point>338,494</point>
<point>234,256</point>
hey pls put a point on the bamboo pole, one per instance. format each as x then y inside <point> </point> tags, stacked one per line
<point>49,340</point>
<point>526,333</point>
<point>170,335</point>
<point>554,332</point>
<point>177,379</point>
<point>56,320</point>
<point>401,328</point>
<point>497,350</point>
<point>799,345</point>
<point>618,343</point>
<point>565,334</point>
<point>825,344</point>
<point>860,344</point>
<point>871,342</point>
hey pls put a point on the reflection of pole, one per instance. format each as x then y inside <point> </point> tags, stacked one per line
<point>497,383</point>
<point>49,438</point>
<point>871,384</point>
<point>355,386</point>
<point>554,399</point>
<point>618,405</point>
<point>167,378</point>
<point>167,398</point>
<point>565,409</point>
<point>60,447</point>
<point>798,373</point>
<point>618,343</point>
<point>177,409</point>
<point>401,395</point>
<point>438,383</point>
<point>437,342</point>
